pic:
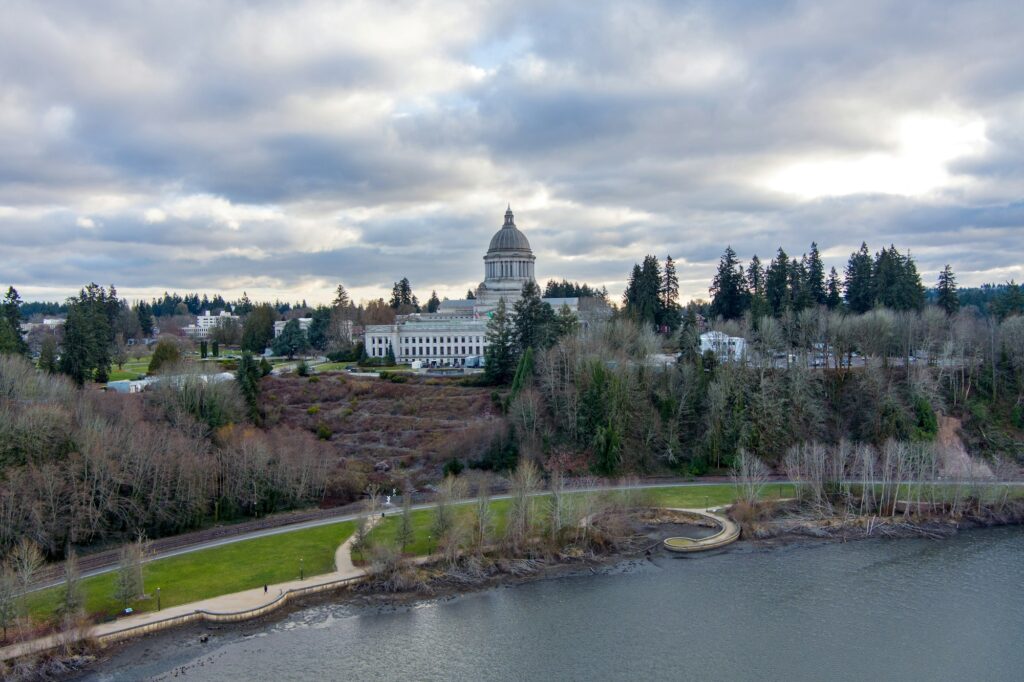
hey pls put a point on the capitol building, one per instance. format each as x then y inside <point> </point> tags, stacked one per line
<point>454,336</point>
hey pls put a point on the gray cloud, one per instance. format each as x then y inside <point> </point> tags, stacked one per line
<point>224,145</point>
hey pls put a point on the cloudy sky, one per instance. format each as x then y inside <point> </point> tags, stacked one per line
<point>281,148</point>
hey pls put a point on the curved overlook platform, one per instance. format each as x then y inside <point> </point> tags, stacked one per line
<point>729,533</point>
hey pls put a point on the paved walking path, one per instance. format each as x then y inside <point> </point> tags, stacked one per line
<point>729,533</point>
<point>225,605</point>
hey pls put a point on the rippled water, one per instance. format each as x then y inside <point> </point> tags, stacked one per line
<point>906,609</point>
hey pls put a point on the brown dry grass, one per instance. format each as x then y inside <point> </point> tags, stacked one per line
<point>415,427</point>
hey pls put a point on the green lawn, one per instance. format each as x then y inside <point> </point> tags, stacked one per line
<point>424,543</point>
<point>133,369</point>
<point>213,572</point>
<point>333,366</point>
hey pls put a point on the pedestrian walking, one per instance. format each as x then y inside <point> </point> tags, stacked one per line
<point>264,589</point>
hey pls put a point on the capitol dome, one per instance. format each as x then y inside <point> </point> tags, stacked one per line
<point>508,265</point>
<point>509,238</point>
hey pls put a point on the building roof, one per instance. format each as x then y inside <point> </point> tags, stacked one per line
<point>456,303</point>
<point>509,238</point>
<point>556,302</point>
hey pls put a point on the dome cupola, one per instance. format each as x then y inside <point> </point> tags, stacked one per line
<point>509,238</point>
<point>508,264</point>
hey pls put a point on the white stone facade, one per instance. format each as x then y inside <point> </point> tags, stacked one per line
<point>206,323</point>
<point>457,331</point>
<point>304,323</point>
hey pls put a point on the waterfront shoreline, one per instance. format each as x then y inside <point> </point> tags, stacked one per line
<point>439,587</point>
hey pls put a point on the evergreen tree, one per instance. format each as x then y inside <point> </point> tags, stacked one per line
<point>728,290</point>
<point>319,328</point>
<point>12,313</point>
<point>670,313</point>
<point>244,306</point>
<point>912,294</point>
<point>799,293</point>
<point>87,336</point>
<point>885,278</point>
<point>258,329</point>
<point>216,348</point>
<point>8,339</point>
<point>630,296</point>
<point>755,286</point>
<point>470,296</point>
<point>389,359</point>
<point>433,303</point>
<point>755,276</point>
<point>341,298</point>
<point>203,349</point>
<point>48,354</point>
<point>500,353</point>
<point>165,355</point>
<point>669,283</point>
<point>76,358</point>
<point>533,320</point>
<point>816,277</point>
<point>396,296</point>
<point>144,312</point>
<point>833,299</point>
<point>776,283</point>
<point>858,285</point>
<point>401,295</point>
<point>291,341</point>
<point>947,296</point>
<point>524,372</point>
<point>248,376</point>
<point>566,322</point>
<point>1009,301</point>
<point>895,281</point>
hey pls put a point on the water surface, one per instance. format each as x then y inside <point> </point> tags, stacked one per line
<point>900,609</point>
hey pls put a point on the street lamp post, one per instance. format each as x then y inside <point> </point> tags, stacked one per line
<point>158,599</point>
<point>302,575</point>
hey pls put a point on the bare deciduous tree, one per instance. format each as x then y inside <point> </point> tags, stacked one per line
<point>749,474</point>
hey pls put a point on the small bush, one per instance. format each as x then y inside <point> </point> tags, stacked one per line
<point>313,409</point>
<point>314,380</point>
<point>302,369</point>
<point>1017,416</point>
<point>927,426</point>
<point>323,431</point>
<point>453,467</point>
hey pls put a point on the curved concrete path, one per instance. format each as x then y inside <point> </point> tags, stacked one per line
<point>254,600</point>
<point>729,533</point>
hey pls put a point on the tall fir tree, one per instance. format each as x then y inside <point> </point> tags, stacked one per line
<point>755,285</point>
<point>12,313</point>
<point>776,283</point>
<point>48,354</point>
<point>833,297</point>
<point>87,336</point>
<point>341,297</point>
<point>433,303</point>
<point>858,284</point>
<point>533,320</point>
<point>799,294</point>
<point>248,376</point>
<point>816,277</point>
<point>947,299</point>
<point>499,355</point>
<point>671,316</point>
<point>729,288</point>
